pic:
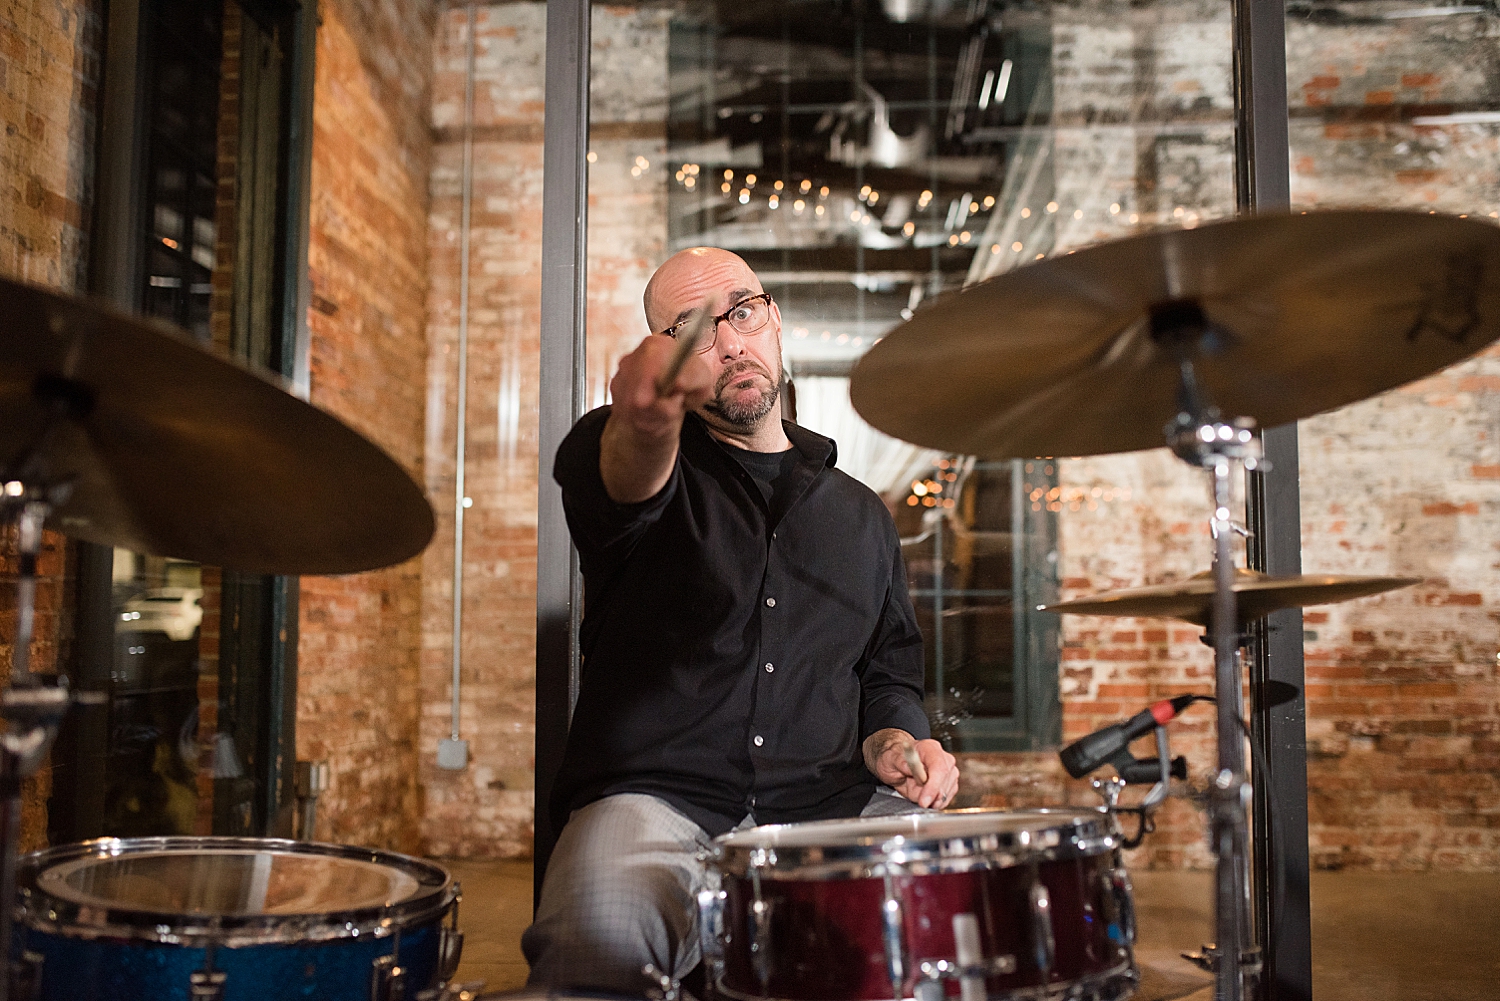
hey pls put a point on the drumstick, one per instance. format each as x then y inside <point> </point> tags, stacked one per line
<point>694,328</point>
<point>918,770</point>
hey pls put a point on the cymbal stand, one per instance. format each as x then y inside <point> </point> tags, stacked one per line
<point>32,711</point>
<point>1201,438</point>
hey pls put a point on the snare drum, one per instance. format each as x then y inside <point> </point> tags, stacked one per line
<point>232,918</point>
<point>1009,904</point>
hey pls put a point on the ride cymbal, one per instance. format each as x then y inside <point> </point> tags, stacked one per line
<point>171,450</point>
<point>1256,595</point>
<point>1282,317</point>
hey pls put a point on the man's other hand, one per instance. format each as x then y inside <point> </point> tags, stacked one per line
<point>886,754</point>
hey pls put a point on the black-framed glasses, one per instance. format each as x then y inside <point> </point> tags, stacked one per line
<point>748,316</point>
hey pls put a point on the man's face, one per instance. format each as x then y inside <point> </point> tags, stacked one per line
<point>746,368</point>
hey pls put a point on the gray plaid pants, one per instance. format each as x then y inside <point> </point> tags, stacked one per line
<point>621,891</point>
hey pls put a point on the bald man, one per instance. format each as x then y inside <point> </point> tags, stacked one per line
<point>750,654</point>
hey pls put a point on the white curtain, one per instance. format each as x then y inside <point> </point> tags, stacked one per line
<point>881,462</point>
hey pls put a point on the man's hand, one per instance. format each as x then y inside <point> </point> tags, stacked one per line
<point>639,444</point>
<point>886,757</point>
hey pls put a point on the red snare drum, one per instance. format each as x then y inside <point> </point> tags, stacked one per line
<point>1009,904</point>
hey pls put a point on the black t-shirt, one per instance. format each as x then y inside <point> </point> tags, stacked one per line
<point>734,663</point>
<point>772,472</point>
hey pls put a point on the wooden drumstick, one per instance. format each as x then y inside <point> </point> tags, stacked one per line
<point>914,762</point>
<point>694,328</point>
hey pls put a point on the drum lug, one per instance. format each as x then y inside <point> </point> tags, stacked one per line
<point>1044,939</point>
<point>711,931</point>
<point>26,976</point>
<point>387,980</point>
<point>761,959</point>
<point>207,985</point>
<point>450,943</point>
<point>894,933</point>
<point>1119,886</point>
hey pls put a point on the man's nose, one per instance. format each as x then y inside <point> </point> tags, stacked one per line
<point>730,343</point>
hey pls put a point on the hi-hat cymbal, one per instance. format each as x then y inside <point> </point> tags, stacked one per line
<point>1256,596</point>
<point>175,451</point>
<point>1306,313</point>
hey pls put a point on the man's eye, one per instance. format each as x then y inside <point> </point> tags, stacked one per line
<point>741,313</point>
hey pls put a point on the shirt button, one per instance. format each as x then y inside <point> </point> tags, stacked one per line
<point>759,740</point>
<point>770,602</point>
<point>770,668</point>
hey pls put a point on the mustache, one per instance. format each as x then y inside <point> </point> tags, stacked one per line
<point>738,369</point>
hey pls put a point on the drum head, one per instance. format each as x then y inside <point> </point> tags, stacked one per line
<point>246,884</point>
<point>958,839</point>
<point>226,881</point>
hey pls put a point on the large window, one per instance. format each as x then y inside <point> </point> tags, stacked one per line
<point>195,735</point>
<point>866,158</point>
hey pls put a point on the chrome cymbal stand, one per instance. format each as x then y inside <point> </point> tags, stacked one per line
<point>32,711</point>
<point>1199,436</point>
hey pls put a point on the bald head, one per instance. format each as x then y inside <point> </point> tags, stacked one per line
<point>684,273</point>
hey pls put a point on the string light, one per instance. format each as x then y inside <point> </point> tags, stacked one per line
<point>1026,213</point>
<point>805,186</point>
<point>909,228</point>
<point>1051,206</point>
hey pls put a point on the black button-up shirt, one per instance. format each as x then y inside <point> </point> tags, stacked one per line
<point>732,663</point>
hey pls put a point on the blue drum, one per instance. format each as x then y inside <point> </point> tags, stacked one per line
<point>232,919</point>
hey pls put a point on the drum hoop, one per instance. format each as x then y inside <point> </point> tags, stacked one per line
<point>1079,833</point>
<point>826,868</point>
<point>46,912</point>
<point>1114,984</point>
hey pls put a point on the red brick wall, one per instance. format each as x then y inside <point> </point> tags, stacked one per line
<point>487,809</point>
<point>1403,691</point>
<point>357,697</point>
<point>49,76</point>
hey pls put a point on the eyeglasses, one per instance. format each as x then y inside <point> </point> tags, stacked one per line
<point>748,316</point>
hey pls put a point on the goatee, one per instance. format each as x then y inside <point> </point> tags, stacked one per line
<point>748,415</point>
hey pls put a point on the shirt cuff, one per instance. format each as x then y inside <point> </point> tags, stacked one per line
<point>899,712</point>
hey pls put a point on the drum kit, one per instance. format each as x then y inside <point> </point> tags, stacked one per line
<point>118,431</point>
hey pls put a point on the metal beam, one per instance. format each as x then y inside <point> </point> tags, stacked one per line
<point>564,274</point>
<point>1278,730</point>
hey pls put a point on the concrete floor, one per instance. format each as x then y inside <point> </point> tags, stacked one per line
<point>1376,936</point>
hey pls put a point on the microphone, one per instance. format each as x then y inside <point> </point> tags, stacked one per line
<point>1107,745</point>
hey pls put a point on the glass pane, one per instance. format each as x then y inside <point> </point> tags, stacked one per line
<point>1396,105</point>
<point>152,762</point>
<point>866,159</point>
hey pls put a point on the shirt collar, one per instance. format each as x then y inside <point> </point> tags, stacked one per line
<point>813,446</point>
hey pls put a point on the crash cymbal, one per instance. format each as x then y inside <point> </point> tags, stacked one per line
<point>175,451</point>
<point>1305,313</point>
<point>1256,596</point>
